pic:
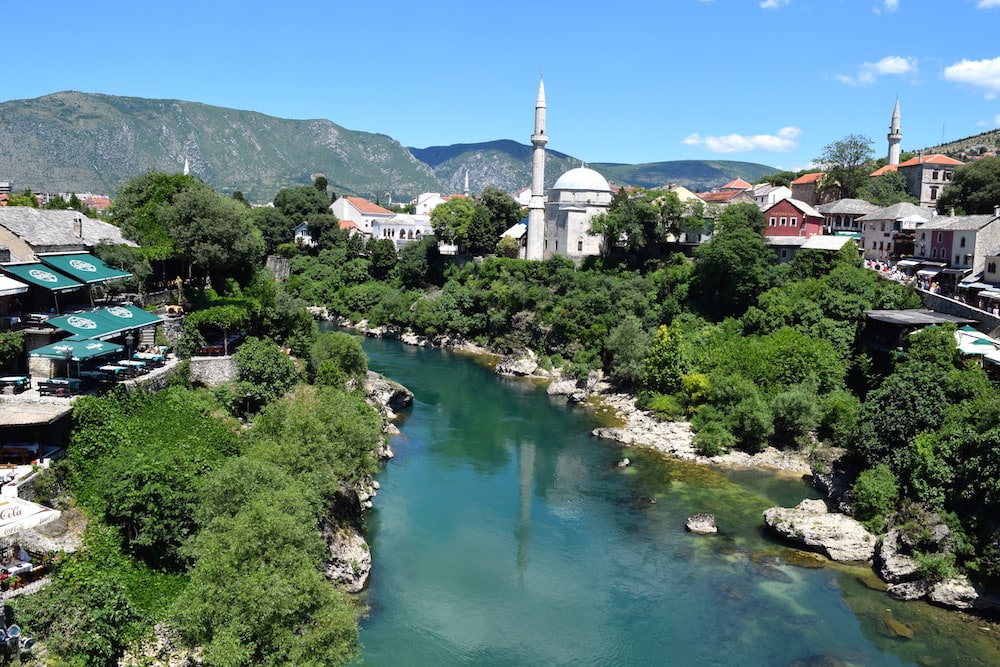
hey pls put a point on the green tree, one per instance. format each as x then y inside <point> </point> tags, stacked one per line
<point>274,226</point>
<point>301,203</point>
<point>214,234</point>
<point>731,270</point>
<point>974,188</point>
<point>343,351</point>
<point>847,162</point>
<point>264,371</point>
<point>452,219</point>
<point>383,257</point>
<point>875,494</point>
<point>662,368</point>
<point>886,189</point>
<point>504,211</point>
<point>626,346</point>
<point>420,264</point>
<point>136,209</point>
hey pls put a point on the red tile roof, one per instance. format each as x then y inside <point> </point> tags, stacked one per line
<point>737,184</point>
<point>719,197</point>
<point>809,178</point>
<point>933,159</point>
<point>884,170</point>
<point>365,206</point>
<point>347,224</point>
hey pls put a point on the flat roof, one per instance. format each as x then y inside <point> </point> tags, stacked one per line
<point>915,317</point>
<point>19,413</point>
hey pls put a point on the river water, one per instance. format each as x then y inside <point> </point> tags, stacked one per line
<point>504,534</point>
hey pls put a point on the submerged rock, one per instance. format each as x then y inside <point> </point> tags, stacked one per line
<point>836,536</point>
<point>898,628</point>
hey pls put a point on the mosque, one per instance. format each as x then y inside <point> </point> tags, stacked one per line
<point>560,224</point>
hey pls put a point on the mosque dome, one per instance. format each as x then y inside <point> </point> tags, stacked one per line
<point>582,178</point>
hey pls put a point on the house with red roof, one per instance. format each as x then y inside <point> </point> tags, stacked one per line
<point>792,217</point>
<point>737,184</point>
<point>363,213</point>
<point>726,197</point>
<point>926,176</point>
<point>805,188</point>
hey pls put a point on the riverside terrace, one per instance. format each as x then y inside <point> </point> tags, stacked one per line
<point>36,425</point>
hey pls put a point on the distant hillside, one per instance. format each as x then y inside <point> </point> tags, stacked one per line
<point>84,142</point>
<point>979,144</point>
<point>507,165</point>
<point>77,142</point>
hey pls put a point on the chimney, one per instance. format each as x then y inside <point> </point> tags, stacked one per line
<point>78,226</point>
<point>951,211</point>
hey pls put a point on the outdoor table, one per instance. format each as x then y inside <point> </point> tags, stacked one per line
<point>16,566</point>
<point>59,386</point>
<point>19,383</point>
<point>95,376</point>
<point>149,357</point>
<point>114,371</point>
<point>136,366</point>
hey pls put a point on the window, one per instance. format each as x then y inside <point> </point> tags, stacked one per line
<point>933,253</point>
<point>940,237</point>
<point>784,222</point>
<point>961,243</point>
<point>784,253</point>
<point>992,267</point>
<point>958,260</point>
<point>774,221</point>
<point>934,193</point>
<point>934,175</point>
<point>793,222</point>
<point>579,246</point>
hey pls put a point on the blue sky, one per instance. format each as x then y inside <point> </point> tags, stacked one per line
<point>769,81</point>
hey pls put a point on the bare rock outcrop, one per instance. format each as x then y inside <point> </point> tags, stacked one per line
<point>348,559</point>
<point>894,566</point>
<point>702,524</point>
<point>837,536</point>
<point>520,364</point>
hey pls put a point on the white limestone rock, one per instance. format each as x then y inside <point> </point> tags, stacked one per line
<point>702,524</point>
<point>521,364</point>
<point>895,567</point>
<point>909,590</point>
<point>837,536</point>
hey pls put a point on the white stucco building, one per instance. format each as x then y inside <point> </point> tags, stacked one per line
<point>575,198</point>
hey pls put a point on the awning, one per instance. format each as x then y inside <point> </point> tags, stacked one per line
<point>84,267</point>
<point>928,273</point>
<point>17,515</point>
<point>38,274</point>
<point>80,350</point>
<point>907,263</point>
<point>976,285</point>
<point>106,322</point>
<point>9,286</point>
<point>989,294</point>
<point>955,272</point>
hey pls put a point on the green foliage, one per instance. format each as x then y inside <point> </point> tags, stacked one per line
<point>264,371</point>
<point>732,269</point>
<point>664,406</point>
<point>886,189</point>
<point>875,494</point>
<point>135,458</point>
<point>11,347</point>
<point>137,207</point>
<point>935,567</point>
<point>627,345</point>
<point>662,366</point>
<point>795,413</point>
<point>713,439</point>
<point>838,416</point>
<point>847,163</point>
<point>343,351</point>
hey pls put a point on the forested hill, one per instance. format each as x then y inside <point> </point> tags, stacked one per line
<point>85,142</point>
<point>507,165</point>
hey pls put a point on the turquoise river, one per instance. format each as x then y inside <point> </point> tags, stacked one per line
<point>504,534</point>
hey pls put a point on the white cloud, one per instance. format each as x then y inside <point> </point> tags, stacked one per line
<point>981,73</point>
<point>889,6</point>
<point>869,72</point>
<point>987,4</point>
<point>775,4</point>
<point>782,142</point>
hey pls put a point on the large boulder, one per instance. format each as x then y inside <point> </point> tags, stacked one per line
<point>956,593</point>
<point>894,566</point>
<point>348,559</point>
<point>702,524</point>
<point>837,536</point>
<point>521,364</point>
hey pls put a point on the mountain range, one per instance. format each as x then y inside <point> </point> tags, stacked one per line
<point>86,142</point>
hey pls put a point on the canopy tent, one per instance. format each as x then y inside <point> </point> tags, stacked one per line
<point>907,263</point>
<point>10,287</point>
<point>17,515</point>
<point>38,274</point>
<point>83,267</point>
<point>929,273</point>
<point>105,323</point>
<point>79,350</point>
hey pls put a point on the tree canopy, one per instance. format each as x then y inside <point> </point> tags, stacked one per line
<point>974,189</point>
<point>847,162</point>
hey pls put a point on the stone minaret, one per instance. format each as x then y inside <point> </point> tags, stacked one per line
<point>536,206</point>
<point>895,137</point>
<point>466,191</point>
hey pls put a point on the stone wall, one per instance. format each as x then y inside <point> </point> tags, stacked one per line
<point>279,266</point>
<point>989,324</point>
<point>212,371</point>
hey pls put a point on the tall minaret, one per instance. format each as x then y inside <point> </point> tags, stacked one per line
<point>536,206</point>
<point>895,137</point>
<point>466,191</point>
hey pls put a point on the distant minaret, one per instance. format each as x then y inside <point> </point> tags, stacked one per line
<point>536,206</point>
<point>895,137</point>
<point>467,183</point>
<point>187,167</point>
